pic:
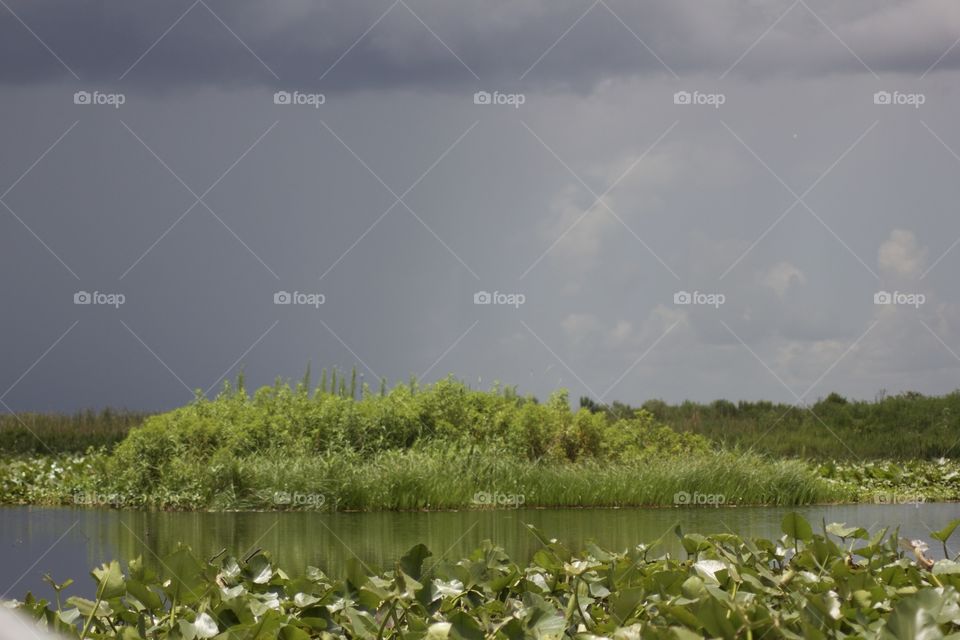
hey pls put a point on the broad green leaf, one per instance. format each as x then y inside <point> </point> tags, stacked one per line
<point>796,527</point>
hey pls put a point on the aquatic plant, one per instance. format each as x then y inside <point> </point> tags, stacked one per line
<point>840,583</point>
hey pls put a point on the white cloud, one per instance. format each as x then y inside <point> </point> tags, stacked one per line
<point>900,256</point>
<point>782,276</point>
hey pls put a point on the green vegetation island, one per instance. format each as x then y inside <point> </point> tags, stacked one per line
<point>335,446</point>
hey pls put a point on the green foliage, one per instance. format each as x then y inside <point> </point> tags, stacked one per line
<point>279,419</point>
<point>803,585</point>
<point>37,433</point>
<point>905,426</point>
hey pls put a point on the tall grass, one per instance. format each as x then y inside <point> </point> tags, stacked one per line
<point>437,478</point>
<point>40,433</point>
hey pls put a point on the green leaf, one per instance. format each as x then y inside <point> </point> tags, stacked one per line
<point>464,627</point>
<point>110,582</point>
<point>841,530</point>
<point>796,527</point>
<point>185,574</point>
<point>412,561</point>
<point>944,534</point>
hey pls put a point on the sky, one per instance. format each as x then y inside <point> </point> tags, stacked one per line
<point>676,200</point>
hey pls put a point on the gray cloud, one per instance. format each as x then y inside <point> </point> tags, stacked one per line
<point>494,198</point>
<point>417,43</point>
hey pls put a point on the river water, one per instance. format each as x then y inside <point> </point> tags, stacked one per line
<point>67,542</point>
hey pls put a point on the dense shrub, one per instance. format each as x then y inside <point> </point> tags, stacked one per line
<point>284,420</point>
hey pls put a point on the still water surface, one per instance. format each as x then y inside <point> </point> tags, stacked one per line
<point>67,542</point>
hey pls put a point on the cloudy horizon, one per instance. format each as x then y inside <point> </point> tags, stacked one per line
<point>673,200</point>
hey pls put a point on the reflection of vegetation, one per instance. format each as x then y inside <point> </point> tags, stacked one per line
<point>909,425</point>
<point>839,583</point>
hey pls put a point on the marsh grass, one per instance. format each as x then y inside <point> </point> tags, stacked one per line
<point>438,479</point>
<point>52,433</point>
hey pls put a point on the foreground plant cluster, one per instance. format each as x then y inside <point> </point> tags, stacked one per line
<point>840,583</point>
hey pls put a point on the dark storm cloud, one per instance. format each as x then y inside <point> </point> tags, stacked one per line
<point>439,44</point>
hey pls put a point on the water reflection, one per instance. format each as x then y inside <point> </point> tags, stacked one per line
<point>69,542</point>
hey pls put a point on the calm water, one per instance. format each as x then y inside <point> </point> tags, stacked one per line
<point>69,542</point>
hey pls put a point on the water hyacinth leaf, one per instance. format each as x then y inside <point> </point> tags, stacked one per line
<point>438,631</point>
<point>448,589</point>
<point>304,600</point>
<point>917,617</point>
<point>362,624</point>
<point>260,569</point>
<point>946,567</point>
<point>70,616</point>
<point>202,628</point>
<point>356,572</point>
<point>841,530</point>
<point>708,569</point>
<point>713,616</point>
<point>598,590</point>
<point>694,543</point>
<point>291,632</point>
<point>944,534</point>
<point>464,627</point>
<point>89,607</point>
<point>412,561</point>
<point>692,587</point>
<point>110,582</point>
<point>539,535</point>
<point>796,527</point>
<point>184,574</point>
<point>147,597</point>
